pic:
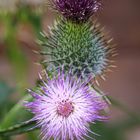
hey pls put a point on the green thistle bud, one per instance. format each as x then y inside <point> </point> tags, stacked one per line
<point>83,48</point>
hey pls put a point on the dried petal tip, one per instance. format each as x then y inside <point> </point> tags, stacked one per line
<point>65,109</point>
<point>77,10</point>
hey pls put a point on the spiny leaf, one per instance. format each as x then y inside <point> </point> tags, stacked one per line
<point>17,112</point>
<point>18,129</point>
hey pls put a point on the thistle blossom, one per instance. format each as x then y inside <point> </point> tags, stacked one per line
<point>64,106</point>
<point>77,10</point>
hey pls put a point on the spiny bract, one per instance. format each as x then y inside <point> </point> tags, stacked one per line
<point>79,47</point>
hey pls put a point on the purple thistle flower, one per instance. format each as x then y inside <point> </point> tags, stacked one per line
<point>77,10</point>
<point>64,107</point>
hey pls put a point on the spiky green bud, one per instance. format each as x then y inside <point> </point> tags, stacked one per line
<point>83,48</point>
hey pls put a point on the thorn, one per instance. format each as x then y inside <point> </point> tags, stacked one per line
<point>112,66</point>
<point>40,77</point>
<point>38,41</point>
<point>114,55</point>
<point>43,34</point>
<point>102,76</point>
<point>29,90</point>
<point>36,52</point>
<point>110,40</point>
<point>96,81</point>
<point>37,63</point>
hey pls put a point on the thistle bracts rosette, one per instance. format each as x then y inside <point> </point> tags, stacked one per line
<point>64,107</point>
<point>84,48</point>
<point>76,10</point>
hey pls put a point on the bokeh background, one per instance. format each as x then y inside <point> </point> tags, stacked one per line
<point>20,24</point>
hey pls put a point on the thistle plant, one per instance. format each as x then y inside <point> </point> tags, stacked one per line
<point>75,51</point>
<point>76,48</point>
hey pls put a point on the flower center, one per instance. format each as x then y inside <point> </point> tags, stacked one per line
<point>65,108</point>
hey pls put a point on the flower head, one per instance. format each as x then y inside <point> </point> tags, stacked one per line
<point>64,107</point>
<point>85,48</point>
<point>77,10</point>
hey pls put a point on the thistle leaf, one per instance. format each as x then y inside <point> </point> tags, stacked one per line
<point>18,129</point>
<point>13,114</point>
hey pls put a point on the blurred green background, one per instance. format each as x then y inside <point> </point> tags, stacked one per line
<point>20,24</point>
